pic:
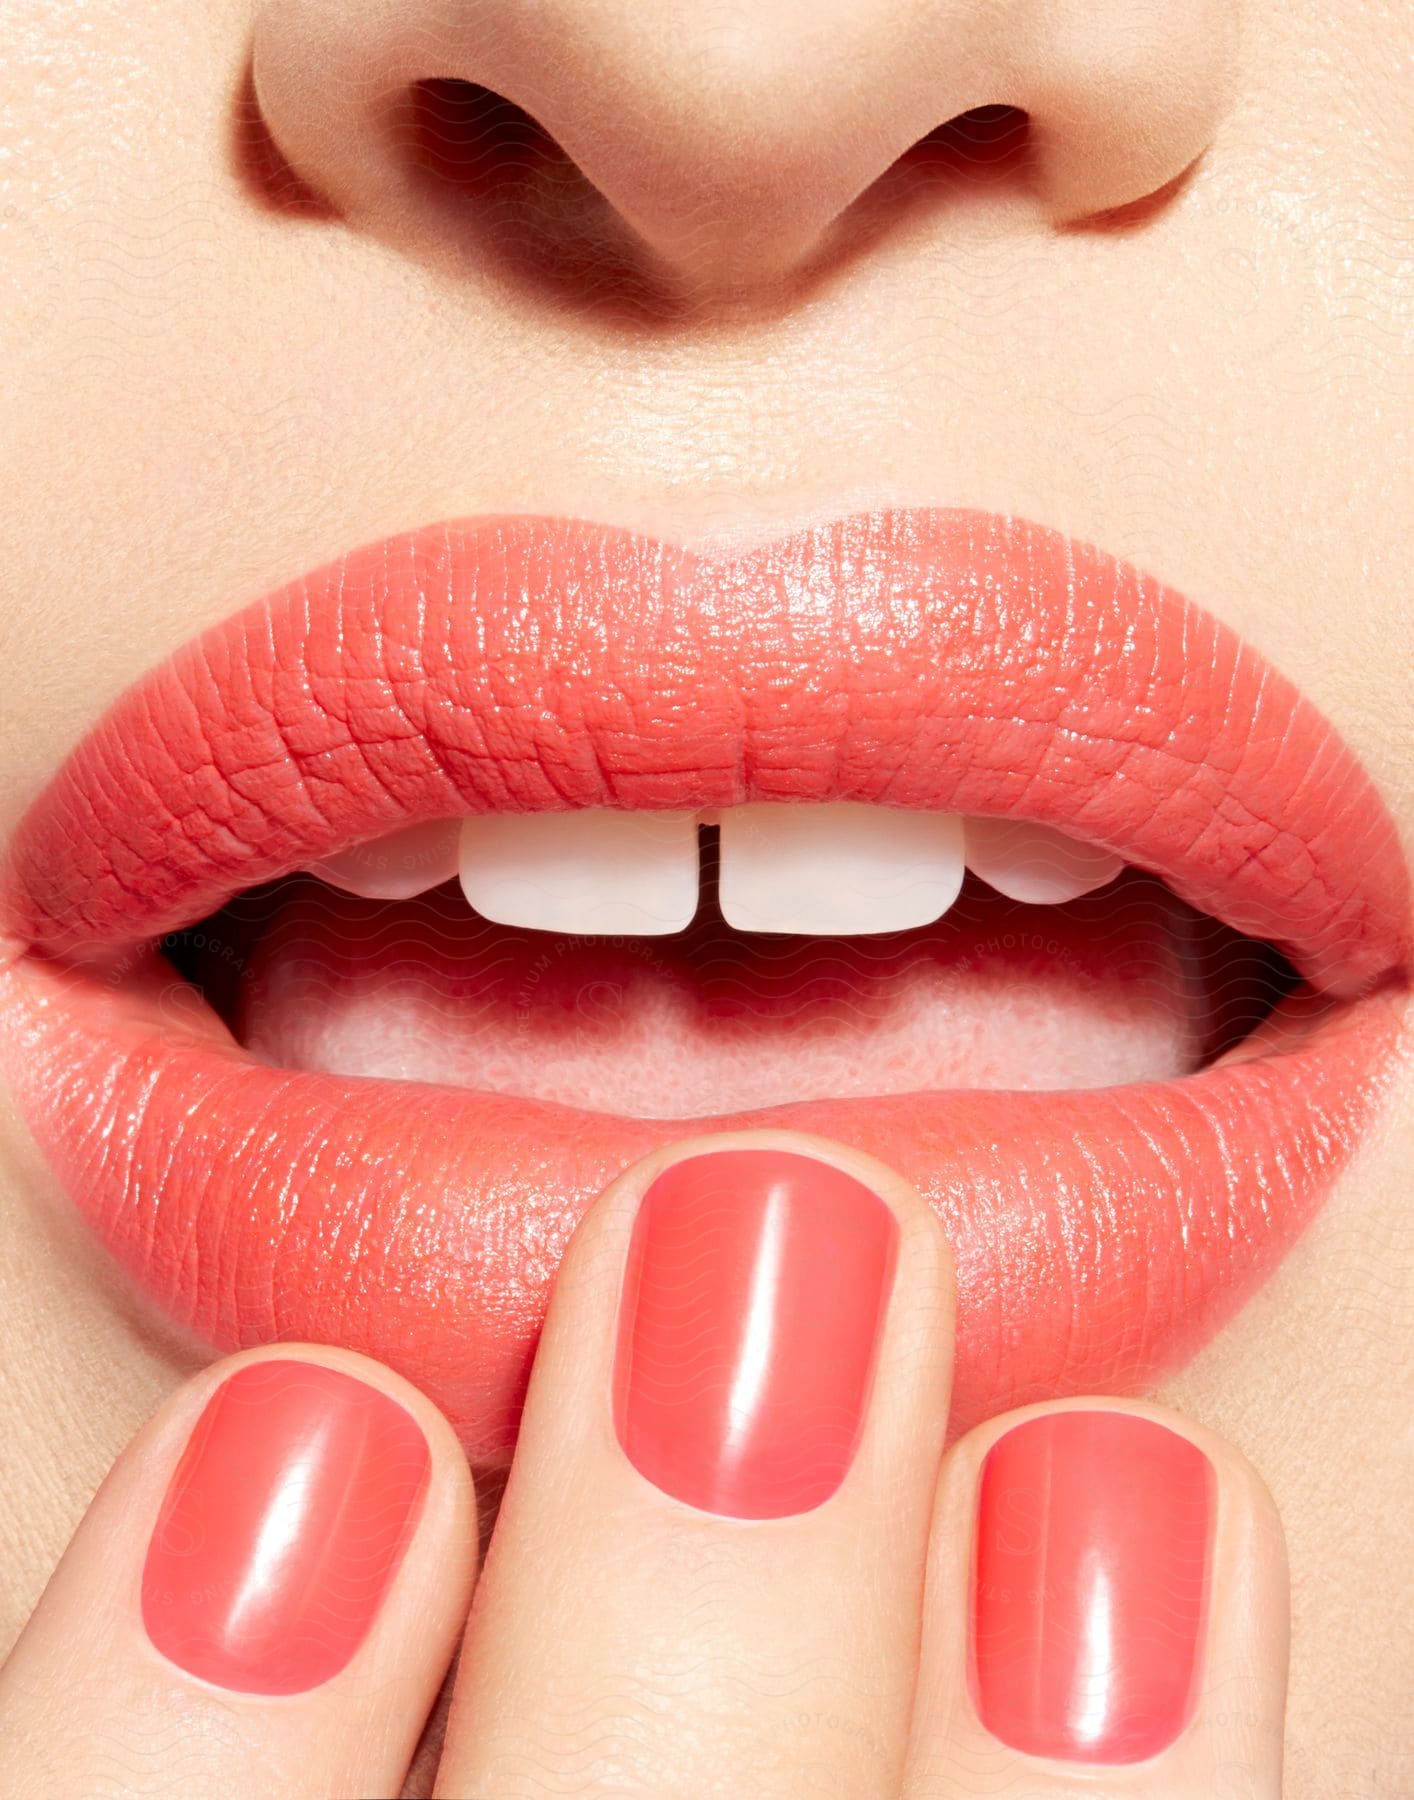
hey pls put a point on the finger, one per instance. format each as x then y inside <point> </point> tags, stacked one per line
<point>261,1600</point>
<point>707,1573</point>
<point>1106,1613</point>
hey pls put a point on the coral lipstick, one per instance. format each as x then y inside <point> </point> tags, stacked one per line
<point>951,661</point>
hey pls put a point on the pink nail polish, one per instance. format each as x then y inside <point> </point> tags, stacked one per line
<point>1090,1578</point>
<point>754,1293</point>
<point>283,1526</point>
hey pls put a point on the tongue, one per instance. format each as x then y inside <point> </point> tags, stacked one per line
<point>997,994</point>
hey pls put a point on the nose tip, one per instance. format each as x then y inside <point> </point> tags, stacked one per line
<point>729,159</point>
<point>720,146</point>
<point>721,190</point>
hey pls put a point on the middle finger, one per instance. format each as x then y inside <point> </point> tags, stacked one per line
<point>707,1573</point>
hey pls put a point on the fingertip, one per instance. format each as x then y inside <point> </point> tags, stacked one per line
<point>449,1468</point>
<point>604,1231</point>
<point>1107,1592</point>
<point>744,1368</point>
<point>277,1566</point>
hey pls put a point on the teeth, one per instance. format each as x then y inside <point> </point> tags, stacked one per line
<point>1035,863</point>
<point>397,866</point>
<point>583,872</point>
<point>832,870</point>
<point>837,869</point>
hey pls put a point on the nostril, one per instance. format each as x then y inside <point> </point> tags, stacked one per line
<point>471,140</point>
<point>985,145</point>
<point>504,183</point>
<point>982,156</point>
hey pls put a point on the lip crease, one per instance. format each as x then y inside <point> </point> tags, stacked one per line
<point>953,660</point>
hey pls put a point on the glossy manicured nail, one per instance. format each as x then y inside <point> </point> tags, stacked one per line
<point>1090,1577</point>
<point>284,1524</point>
<point>754,1293</point>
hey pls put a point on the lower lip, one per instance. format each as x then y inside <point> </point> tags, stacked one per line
<point>422,1225</point>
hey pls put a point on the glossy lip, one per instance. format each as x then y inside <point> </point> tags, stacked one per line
<point>953,660</point>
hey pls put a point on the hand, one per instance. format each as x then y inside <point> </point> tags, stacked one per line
<point>728,1561</point>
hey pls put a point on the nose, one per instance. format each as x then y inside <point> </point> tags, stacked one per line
<point>720,141</point>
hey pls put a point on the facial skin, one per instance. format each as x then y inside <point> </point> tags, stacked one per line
<point>215,379</point>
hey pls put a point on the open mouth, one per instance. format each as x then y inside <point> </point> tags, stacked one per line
<point>814,992</point>
<point>364,940</point>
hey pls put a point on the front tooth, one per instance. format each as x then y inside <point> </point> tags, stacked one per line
<point>837,869</point>
<point>593,871</point>
<point>1035,863</point>
<point>397,866</point>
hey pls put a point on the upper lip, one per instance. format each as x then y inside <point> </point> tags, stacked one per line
<point>944,659</point>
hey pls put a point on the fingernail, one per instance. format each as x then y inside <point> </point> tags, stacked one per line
<point>754,1293</point>
<point>283,1526</point>
<point>1090,1578</point>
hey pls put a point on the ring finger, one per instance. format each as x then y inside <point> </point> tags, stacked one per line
<point>1106,1614</point>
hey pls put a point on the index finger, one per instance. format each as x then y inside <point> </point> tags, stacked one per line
<point>261,1600</point>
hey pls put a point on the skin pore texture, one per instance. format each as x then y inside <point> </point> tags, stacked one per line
<point>216,379</point>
